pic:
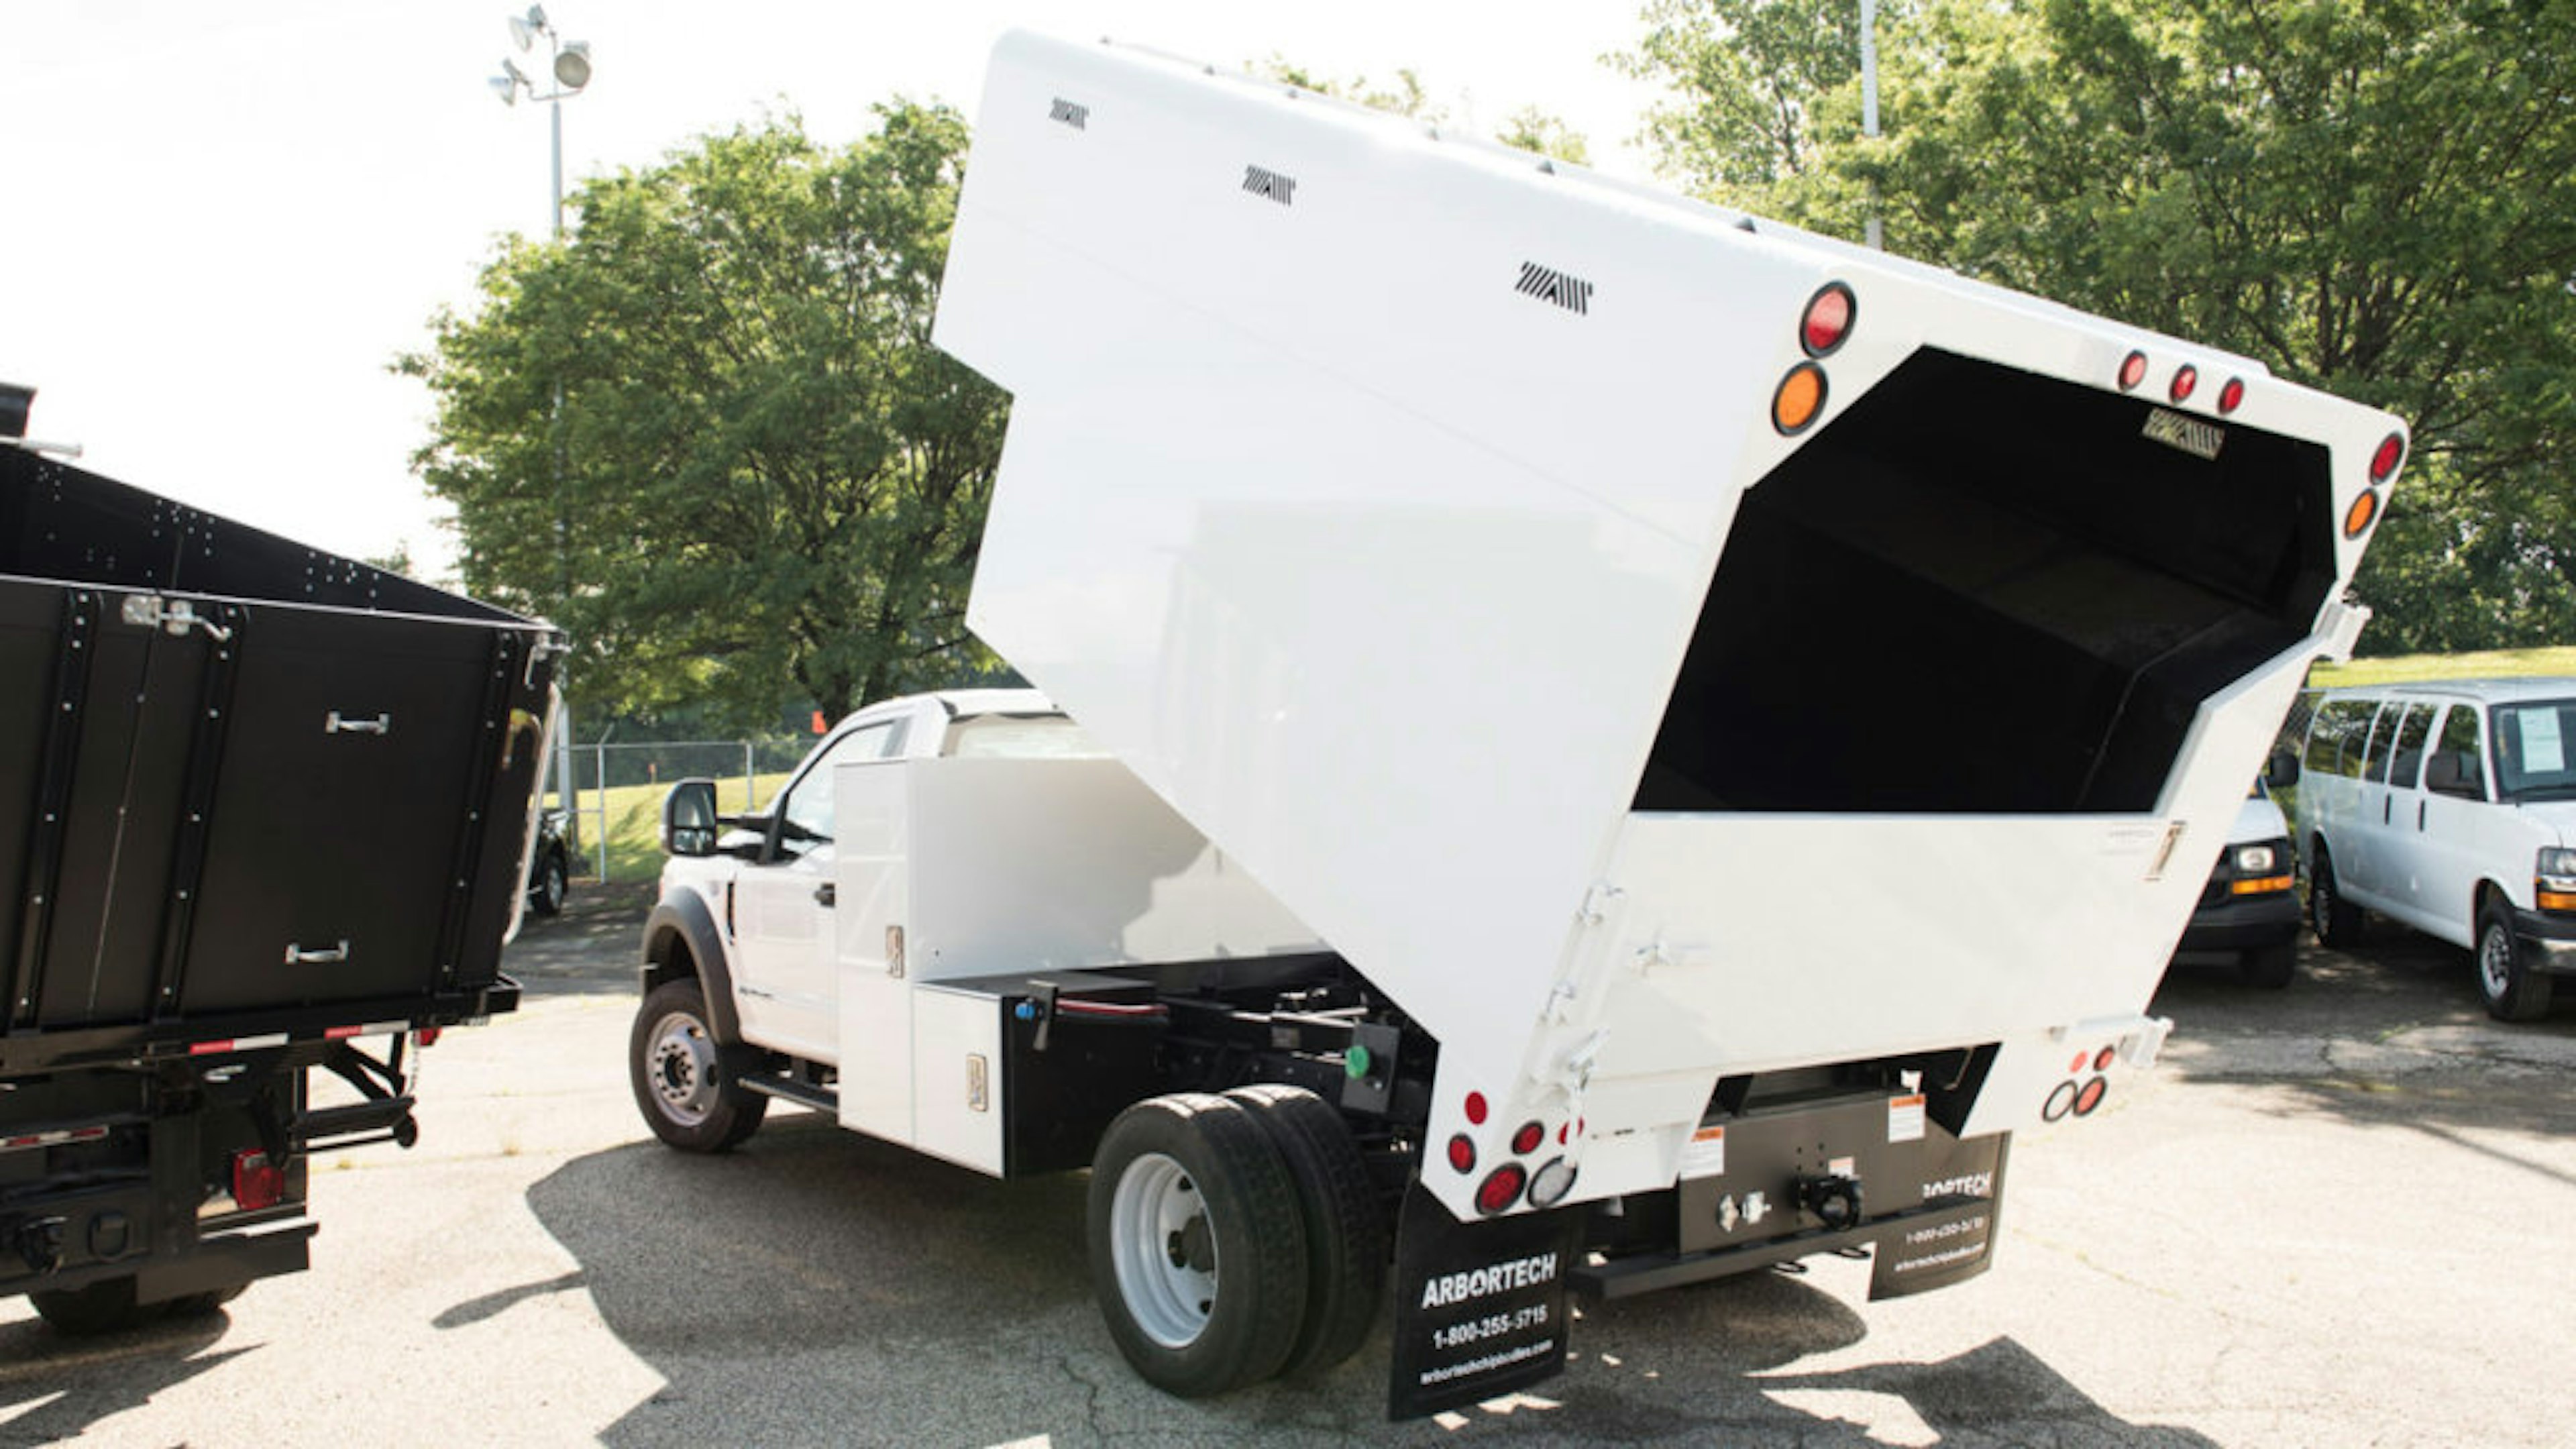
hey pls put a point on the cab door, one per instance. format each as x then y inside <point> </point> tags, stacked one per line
<point>785,904</point>
<point>2358,863</point>
<point>2453,815</point>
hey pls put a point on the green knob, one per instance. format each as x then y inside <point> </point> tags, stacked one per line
<point>1355,1062</point>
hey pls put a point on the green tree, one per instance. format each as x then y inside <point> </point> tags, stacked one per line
<point>708,435</point>
<point>1528,128</point>
<point>2375,199</point>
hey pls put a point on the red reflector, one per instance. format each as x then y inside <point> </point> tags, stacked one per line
<point>2091,1097</point>
<point>256,1182</point>
<point>342,1033</point>
<point>1476,1108</point>
<point>1462,1153</point>
<point>2078,1064</point>
<point>1500,1190</point>
<point>2383,464</point>
<point>1561,1129</point>
<point>2232,396</point>
<point>1828,319</point>
<point>2102,1059</point>
<point>1526,1140</point>
<point>2185,379</point>
<point>429,1036</point>
<point>2133,370</point>
<point>209,1048</point>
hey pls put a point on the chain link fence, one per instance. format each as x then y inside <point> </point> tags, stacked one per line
<point>618,789</point>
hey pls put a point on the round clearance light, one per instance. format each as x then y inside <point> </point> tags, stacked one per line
<point>1462,1153</point>
<point>1551,1185</point>
<point>2185,378</point>
<point>1476,1108</point>
<point>1800,398</point>
<point>1828,319</point>
<point>2076,1067</point>
<point>2363,512</point>
<point>2091,1096</point>
<point>1501,1190</point>
<point>1526,1140</point>
<point>2231,396</point>
<point>2059,1102</point>
<point>2133,370</point>
<point>2383,464</point>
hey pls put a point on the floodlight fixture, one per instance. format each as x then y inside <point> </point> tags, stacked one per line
<point>572,65</point>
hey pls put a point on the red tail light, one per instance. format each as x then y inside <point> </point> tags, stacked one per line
<point>1476,1108</point>
<point>1500,1190</point>
<point>2231,396</point>
<point>1526,1140</point>
<point>1462,1153</point>
<point>2133,370</point>
<point>257,1182</point>
<point>2185,378</point>
<point>2383,464</point>
<point>1828,319</point>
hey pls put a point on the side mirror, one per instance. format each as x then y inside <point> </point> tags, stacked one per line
<point>2282,770</point>
<point>689,818</point>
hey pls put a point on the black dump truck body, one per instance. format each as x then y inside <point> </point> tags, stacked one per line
<point>262,809</point>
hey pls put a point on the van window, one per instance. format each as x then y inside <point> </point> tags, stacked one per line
<point>2460,741</point>
<point>2383,742</point>
<point>1021,737</point>
<point>2334,741</point>
<point>2408,766</point>
<point>2535,750</point>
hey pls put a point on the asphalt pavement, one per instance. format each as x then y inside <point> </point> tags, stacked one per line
<point>2338,1215</point>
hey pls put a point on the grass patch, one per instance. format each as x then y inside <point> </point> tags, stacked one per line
<point>2407,668</point>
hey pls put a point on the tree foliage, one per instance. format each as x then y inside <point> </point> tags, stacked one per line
<point>1529,128</point>
<point>2376,199</point>
<point>708,434</point>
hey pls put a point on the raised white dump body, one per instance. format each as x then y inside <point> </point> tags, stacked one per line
<point>1364,492</point>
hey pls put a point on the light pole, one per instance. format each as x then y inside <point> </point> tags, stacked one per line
<point>568,61</point>
<point>1869,106</point>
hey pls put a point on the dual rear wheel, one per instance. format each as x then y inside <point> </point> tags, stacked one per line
<point>1234,1238</point>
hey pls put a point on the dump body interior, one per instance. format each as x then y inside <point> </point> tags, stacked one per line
<point>1982,591</point>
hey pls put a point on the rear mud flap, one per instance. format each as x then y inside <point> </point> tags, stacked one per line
<point>1480,1308</point>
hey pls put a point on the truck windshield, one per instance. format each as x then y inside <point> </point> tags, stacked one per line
<point>2535,750</point>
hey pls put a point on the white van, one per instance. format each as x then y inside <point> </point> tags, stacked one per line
<point>2449,806</point>
<point>2248,914</point>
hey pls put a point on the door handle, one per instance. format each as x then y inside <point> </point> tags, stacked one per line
<point>827,894</point>
<point>2419,814</point>
<point>2387,809</point>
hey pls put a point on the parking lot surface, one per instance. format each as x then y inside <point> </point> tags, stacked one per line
<point>2338,1215</point>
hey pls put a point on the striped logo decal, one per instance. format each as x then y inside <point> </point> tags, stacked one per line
<point>1076,116</point>
<point>1550,285</point>
<point>1270,185</point>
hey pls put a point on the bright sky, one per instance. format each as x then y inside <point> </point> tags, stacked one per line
<point>219,223</point>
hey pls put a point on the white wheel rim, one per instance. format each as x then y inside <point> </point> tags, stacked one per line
<point>2495,961</point>
<point>1164,1246</point>
<point>681,1064</point>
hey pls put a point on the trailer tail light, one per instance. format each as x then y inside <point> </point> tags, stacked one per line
<point>1527,1140</point>
<point>2231,396</point>
<point>1552,1183</point>
<point>1801,396</point>
<point>2133,370</point>
<point>1476,1109</point>
<point>2091,1096</point>
<point>1827,322</point>
<point>2185,378</point>
<point>2383,463</point>
<point>2102,1059</point>
<point>1462,1153</point>
<point>2363,512</point>
<point>1501,1190</point>
<point>257,1182</point>
<point>428,1036</point>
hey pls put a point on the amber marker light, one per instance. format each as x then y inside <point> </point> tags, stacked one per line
<point>2259,885</point>
<point>2363,512</point>
<point>1801,396</point>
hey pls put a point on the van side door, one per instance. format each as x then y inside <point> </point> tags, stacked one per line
<point>2403,813</point>
<point>2454,815</point>
<point>2358,855</point>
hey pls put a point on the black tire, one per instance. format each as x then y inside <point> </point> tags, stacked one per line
<point>197,1305</point>
<point>1346,1234</point>
<point>2513,991</point>
<point>2338,922</point>
<point>685,1082</point>
<point>102,1307</point>
<point>1198,1251</point>
<point>553,883</point>
<point>2272,967</point>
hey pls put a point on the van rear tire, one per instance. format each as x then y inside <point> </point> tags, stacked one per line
<point>2513,990</point>
<point>104,1307</point>
<point>2338,922</point>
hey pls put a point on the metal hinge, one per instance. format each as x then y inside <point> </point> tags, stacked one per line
<point>151,611</point>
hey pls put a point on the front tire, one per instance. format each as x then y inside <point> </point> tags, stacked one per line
<point>2338,922</point>
<point>2513,991</point>
<point>684,1079</point>
<point>1198,1252</point>
<point>554,882</point>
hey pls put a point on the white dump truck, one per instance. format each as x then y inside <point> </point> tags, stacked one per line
<point>1587,740</point>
